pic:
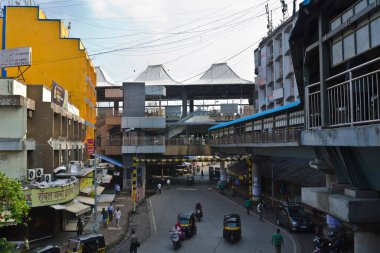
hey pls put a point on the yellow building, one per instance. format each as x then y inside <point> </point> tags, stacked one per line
<point>55,57</point>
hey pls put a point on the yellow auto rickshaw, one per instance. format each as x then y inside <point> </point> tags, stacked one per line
<point>232,227</point>
<point>92,243</point>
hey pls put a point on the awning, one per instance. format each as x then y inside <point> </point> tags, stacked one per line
<point>106,179</point>
<point>86,200</point>
<point>90,189</point>
<point>73,206</point>
<point>108,159</point>
<point>106,198</point>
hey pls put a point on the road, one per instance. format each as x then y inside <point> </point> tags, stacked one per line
<point>256,235</point>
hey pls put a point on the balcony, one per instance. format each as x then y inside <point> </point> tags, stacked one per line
<point>132,145</point>
<point>351,99</point>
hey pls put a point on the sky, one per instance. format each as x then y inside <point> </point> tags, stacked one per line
<point>187,37</point>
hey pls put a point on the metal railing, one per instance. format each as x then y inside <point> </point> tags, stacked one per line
<point>186,141</point>
<point>281,135</point>
<point>353,97</point>
<point>144,141</point>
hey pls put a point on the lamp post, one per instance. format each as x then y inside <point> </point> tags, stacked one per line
<point>95,225</point>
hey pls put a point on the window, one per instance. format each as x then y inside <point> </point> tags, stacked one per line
<point>334,24</point>
<point>349,46</point>
<point>349,13</point>
<point>337,55</point>
<point>362,39</point>
<point>375,32</point>
<point>360,6</point>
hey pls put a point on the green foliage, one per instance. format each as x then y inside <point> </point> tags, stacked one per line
<point>6,247</point>
<point>13,207</point>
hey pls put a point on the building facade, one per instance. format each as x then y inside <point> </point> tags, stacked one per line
<point>55,57</point>
<point>275,81</point>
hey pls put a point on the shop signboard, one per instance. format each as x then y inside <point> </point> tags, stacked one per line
<point>86,181</point>
<point>51,196</point>
<point>90,146</point>
<point>59,95</point>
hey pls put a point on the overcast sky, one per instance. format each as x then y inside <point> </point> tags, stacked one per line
<point>186,36</point>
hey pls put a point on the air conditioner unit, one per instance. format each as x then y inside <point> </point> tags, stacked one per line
<point>46,178</point>
<point>39,172</point>
<point>31,174</point>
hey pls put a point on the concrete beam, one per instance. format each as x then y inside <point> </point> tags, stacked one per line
<point>358,136</point>
<point>345,208</point>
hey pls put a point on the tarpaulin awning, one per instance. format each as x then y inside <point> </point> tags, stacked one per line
<point>90,189</point>
<point>106,179</point>
<point>86,200</point>
<point>108,159</point>
<point>73,206</point>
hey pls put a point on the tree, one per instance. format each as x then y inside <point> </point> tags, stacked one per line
<point>13,207</point>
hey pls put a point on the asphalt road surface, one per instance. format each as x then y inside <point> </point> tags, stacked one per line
<point>256,235</point>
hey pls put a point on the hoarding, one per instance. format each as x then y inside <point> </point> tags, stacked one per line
<point>90,146</point>
<point>16,57</point>
<point>59,95</point>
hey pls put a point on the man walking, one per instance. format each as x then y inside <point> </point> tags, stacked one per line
<point>104,214</point>
<point>134,243</point>
<point>260,208</point>
<point>159,188</point>
<point>110,210</point>
<point>79,227</point>
<point>277,241</point>
<point>168,183</point>
<point>117,190</point>
<point>117,217</point>
<point>202,173</point>
<point>247,204</point>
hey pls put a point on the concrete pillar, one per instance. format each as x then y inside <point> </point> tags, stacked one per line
<point>367,242</point>
<point>330,179</point>
<point>184,102</point>
<point>223,173</point>
<point>127,163</point>
<point>256,184</point>
<point>191,106</point>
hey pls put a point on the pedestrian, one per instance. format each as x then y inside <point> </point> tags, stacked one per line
<point>134,243</point>
<point>79,227</point>
<point>117,189</point>
<point>168,183</point>
<point>202,173</point>
<point>104,217</point>
<point>159,188</point>
<point>110,210</point>
<point>260,208</point>
<point>237,183</point>
<point>277,241</point>
<point>117,217</point>
<point>247,204</point>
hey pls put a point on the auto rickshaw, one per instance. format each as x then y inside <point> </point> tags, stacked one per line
<point>187,222</point>
<point>43,249</point>
<point>92,243</point>
<point>232,227</point>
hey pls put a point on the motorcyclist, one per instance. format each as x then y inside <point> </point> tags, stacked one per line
<point>198,206</point>
<point>178,229</point>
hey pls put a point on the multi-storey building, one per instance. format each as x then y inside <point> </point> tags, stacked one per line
<point>55,57</point>
<point>275,81</point>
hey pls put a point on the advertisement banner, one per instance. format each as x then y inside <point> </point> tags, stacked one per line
<point>51,196</point>
<point>16,57</point>
<point>90,146</point>
<point>59,95</point>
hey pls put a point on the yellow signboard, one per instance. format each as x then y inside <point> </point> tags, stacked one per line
<point>51,196</point>
<point>86,181</point>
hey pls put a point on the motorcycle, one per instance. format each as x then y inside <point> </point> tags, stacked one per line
<point>322,245</point>
<point>199,214</point>
<point>176,240</point>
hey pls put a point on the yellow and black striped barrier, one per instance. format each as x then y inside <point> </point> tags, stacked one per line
<point>249,161</point>
<point>134,183</point>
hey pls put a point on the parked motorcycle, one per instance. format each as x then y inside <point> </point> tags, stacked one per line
<point>176,240</point>
<point>323,245</point>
